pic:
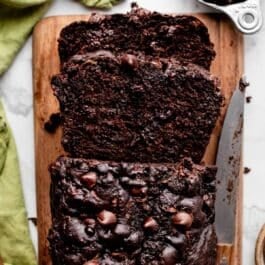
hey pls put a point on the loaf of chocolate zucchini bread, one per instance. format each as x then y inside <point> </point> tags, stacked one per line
<point>130,213</point>
<point>136,109</point>
<point>184,38</point>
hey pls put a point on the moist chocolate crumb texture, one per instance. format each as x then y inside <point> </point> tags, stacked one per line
<point>132,214</point>
<point>184,38</point>
<point>136,109</point>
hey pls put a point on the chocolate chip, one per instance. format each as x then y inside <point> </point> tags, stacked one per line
<point>76,230</point>
<point>171,210</point>
<point>118,256</point>
<point>168,200</point>
<point>129,60</point>
<point>73,258</point>
<point>92,262</point>
<point>138,90</point>
<point>190,203</point>
<point>169,255</point>
<point>176,241</point>
<point>90,222</point>
<point>109,178</point>
<point>183,219</point>
<point>106,235</point>
<point>106,218</point>
<point>90,231</point>
<point>209,201</point>
<point>90,179</point>
<point>139,191</point>
<point>103,168</point>
<point>156,63</point>
<point>125,180</point>
<point>137,182</point>
<point>122,230</point>
<point>151,224</point>
<point>123,198</point>
<point>91,250</point>
<point>134,240</point>
<point>94,200</point>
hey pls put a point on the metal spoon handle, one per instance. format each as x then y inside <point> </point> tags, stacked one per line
<point>246,16</point>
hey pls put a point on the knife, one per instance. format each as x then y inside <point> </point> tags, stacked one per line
<point>228,162</point>
<point>246,15</point>
<point>260,246</point>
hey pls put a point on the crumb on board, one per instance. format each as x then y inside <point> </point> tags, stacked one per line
<point>248,99</point>
<point>243,84</point>
<point>247,170</point>
<point>53,123</point>
<point>33,220</point>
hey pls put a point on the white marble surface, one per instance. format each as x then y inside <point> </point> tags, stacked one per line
<point>16,91</point>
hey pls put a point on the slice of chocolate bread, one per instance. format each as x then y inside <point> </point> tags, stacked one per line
<point>184,38</point>
<point>124,108</point>
<point>138,214</point>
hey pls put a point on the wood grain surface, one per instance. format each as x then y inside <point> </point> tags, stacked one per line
<point>228,65</point>
<point>224,254</point>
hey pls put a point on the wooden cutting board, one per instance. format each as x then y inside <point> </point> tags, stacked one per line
<point>228,65</point>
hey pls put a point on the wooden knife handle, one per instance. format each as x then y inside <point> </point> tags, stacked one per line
<point>260,248</point>
<point>224,254</point>
<point>1,261</point>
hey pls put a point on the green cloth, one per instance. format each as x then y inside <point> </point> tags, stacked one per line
<point>17,19</point>
<point>15,244</point>
<point>100,3</point>
<point>22,3</point>
<point>15,27</point>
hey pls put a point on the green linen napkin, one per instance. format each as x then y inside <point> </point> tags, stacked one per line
<point>100,3</point>
<point>15,26</point>
<point>17,19</point>
<point>22,3</point>
<point>15,245</point>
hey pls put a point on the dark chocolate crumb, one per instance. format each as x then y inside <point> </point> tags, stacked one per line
<point>243,84</point>
<point>247,170</point>
<point>231,158</point>
<point>230,185</point>
<point>248,99</point>
<point>33,220</point>
<point>53,123</point>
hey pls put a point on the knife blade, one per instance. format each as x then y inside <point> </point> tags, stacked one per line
<point>228,162</point>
